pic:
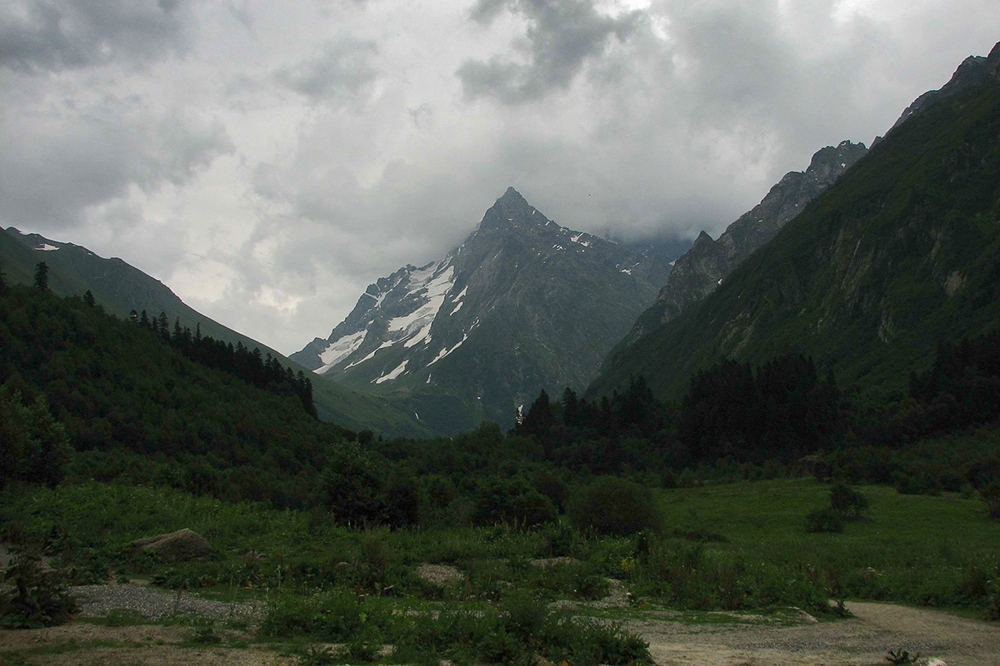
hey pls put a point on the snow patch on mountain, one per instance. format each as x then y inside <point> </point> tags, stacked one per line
<point>392,375</point>
<point>433,282</point>
<point>340,349</point>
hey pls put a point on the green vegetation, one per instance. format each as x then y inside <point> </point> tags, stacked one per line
<point>899,254</point>
<point>505,547</point>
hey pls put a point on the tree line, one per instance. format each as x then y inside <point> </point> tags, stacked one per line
<point>262,371</point>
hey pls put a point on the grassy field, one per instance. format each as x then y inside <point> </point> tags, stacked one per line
<point>733,547</point>
<point>931,550</point>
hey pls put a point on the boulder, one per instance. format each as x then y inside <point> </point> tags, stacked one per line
<point>180,546</point>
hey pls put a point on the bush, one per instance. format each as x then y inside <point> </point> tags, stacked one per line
<point>991,497</point>
<point>38,597</point>
<point>512,501</point>
<point>615,506</point>
<point>825,520</point>
<point>846,501</point>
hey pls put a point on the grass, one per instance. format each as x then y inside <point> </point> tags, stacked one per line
<point>741,548</point>
<point>911,548</point>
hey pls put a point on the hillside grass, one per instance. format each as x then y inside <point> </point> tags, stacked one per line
<point>735,546</point>
<point>920,549</point>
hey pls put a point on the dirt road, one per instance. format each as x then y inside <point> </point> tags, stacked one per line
<point>864,640</point>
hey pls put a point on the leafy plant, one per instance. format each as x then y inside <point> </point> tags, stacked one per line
<point>615,506</point>
<point>38,598</point>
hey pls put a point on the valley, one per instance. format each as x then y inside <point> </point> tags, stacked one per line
<point>781,446</point>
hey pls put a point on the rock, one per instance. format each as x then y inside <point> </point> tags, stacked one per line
<point>180,546</point>
<point>439,574</point>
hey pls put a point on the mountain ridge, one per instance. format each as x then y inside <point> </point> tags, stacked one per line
<point>899,254</point>
<point>120,288</point>
<point>523,303</point>
<point>702,269</point>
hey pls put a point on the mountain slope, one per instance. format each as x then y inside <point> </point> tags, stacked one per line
<point>698,272</point>
<point>121,288</point>
<point>901,252</point>
<point>522,304</point>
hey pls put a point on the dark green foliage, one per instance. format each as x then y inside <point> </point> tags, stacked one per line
<point>615,506</point>
<point>42,276</point>
<point>825,519</point>
<point>133,408</point>
<point>962,388</point>
<point>901,252</point>
<point>351,488</point>
<point>512,501</point>
<point>88,298</point>
<point>627,433</point>
<point>250,366</point>
<point>847,502</point>
<point>32,595</point>
<point>34,447</point>
<point>991,498</point>
<point>781,410</point>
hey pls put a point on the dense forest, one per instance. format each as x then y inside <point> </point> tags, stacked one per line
<point>88,396</point>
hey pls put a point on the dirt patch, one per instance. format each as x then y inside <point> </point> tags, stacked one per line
<point>548,562</point>
<point>440,574</point>
<point>150,645</point>
<point>863,640</point>
<point>866,639</point>
<point>154,604</point>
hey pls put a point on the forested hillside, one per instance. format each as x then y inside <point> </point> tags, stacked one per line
<point>136,408</point>
<point>121,289</point>
<point>898,255</point>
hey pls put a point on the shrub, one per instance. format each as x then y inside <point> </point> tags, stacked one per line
<point>38,597</point>
<point>615,507</point>
<point>512,501</point>
<point>848,502</point>
<point>825,519</point>
<point>991,497</point>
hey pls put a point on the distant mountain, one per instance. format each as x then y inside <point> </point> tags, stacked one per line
<point>702,269</point>
<point>522,304</point>
<point>121,288</point>
<point>901,252</point>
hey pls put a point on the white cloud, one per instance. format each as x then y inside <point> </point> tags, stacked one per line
<point>269,160</point>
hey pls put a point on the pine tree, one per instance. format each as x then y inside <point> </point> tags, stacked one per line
<point>42,276</point>
<point>88,298</point>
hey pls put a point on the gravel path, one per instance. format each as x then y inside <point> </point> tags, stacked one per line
<point>866,639</point>
<point>98,600</point>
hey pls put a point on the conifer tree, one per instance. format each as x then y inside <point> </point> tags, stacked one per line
<point>42,276</point>
<point>88,298</point>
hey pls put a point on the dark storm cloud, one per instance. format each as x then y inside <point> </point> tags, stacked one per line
<point>65,34</point>
<point>561,36</point>
<point>57,168</point>
<point>340,72</point>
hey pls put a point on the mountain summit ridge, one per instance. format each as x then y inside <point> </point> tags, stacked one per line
<point>522,304</point>
<point>702,269</point>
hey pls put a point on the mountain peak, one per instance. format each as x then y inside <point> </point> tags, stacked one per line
<point>510,211</point>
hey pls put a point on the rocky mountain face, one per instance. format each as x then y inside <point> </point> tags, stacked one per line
<point>973,71</point>
<point>903,251</point>
<point>703,268</point>
<point>523,304</point>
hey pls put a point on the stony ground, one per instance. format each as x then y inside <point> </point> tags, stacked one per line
<point>875,629</point>
<point>861,641</point>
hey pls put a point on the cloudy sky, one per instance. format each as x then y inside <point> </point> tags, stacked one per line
<point>268,160</point>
